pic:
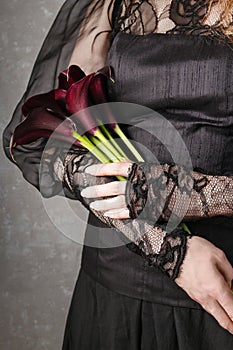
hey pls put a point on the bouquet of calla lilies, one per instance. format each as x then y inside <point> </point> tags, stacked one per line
<point>63,114</point>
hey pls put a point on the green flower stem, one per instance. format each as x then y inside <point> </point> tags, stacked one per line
<point>104,154</point>
<point>85,142</point>
<point>108,144</point>
<point>93,149</point>
<point>103,148</point>
<point>120,178</point>
<point>120,133</point>
<point>185,227</point>
<point>111,139</point>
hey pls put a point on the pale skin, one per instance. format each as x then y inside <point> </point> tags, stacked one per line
<point>205,275</point>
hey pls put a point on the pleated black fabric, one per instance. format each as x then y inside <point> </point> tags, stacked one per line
<point>103,319</point>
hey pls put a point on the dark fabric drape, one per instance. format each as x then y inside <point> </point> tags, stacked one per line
<point>76,20</point>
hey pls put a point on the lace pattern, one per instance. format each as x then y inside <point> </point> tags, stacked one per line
<point>136,191</point>
<point>161,191</point>
<point>142,17</point>
<point>171,253</point>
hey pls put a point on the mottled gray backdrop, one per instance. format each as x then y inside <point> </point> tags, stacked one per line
<point>38,265</point>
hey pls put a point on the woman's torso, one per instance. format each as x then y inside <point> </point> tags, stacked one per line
<point>188,79</point>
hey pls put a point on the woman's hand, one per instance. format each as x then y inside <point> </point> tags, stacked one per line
<point>114,207</point>
<point>206,275</point>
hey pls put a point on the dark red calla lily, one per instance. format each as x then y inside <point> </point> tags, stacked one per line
<point>70,76</point>
<point>50,111</point>
<point>41,123</point>
<point>87,92</point>
<point>99,85</point>
<point>53,100</point>
<point>78,99</point>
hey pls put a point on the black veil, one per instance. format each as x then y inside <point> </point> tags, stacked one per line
<point>82,27</point>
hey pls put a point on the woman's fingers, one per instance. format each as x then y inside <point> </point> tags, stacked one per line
<point>225,267</point>
<point>226,270</point>
<point>205,276</point>
<point>113,188</point>
<point>110,169</point>
<point>225,299</point>
<point>118,213</point>
<point>117,202</point>
<point>114,207</point>
<point>216,310</point>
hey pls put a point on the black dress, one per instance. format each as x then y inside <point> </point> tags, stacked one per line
<point>120,302</point>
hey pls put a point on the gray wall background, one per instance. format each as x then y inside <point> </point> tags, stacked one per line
<point>38,265</point>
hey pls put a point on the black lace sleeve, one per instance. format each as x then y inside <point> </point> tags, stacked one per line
<point>160,247</point>
<point>159,192</point>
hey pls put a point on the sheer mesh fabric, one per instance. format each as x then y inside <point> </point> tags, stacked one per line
<point>162,191</point>
<point>170,17</point>
<point>93,42</point>
<point>104,18</point>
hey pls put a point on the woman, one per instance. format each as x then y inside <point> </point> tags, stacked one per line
<point>174,57</point>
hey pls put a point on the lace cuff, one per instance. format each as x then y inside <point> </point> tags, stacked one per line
<point>159,192</point>
<point>162,249</point>
<point>167,255</point>
<point>66,169</point>
<point>57,170</point>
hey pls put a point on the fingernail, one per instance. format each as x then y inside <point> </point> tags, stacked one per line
<point>85,193</point>
<point>109,213</point>
<point>94,205</point>
<point>91,169</point>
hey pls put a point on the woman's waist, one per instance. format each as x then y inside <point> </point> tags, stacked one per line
<point>126,273</point>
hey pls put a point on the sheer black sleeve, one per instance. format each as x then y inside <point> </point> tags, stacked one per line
<point>80,35</point>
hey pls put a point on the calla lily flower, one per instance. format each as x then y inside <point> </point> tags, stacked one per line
<point>84,93</point>
<point>98,85</point>
<point>75,93</point>
<point>77,102</point>
<point>87,92</point>
<point>53,101</point>
<point>42,123</point>
<point>70,76</point>
<point>49,112</point>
